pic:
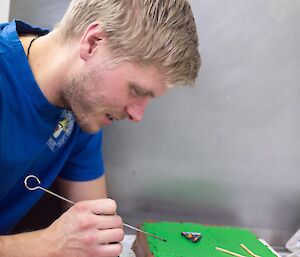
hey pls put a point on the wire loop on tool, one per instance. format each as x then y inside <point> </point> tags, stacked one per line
<point>71,202</point>
<point>32,188</point>
<point>44,189</point>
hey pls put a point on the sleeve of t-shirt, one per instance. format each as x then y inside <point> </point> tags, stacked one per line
<point>85,161</point>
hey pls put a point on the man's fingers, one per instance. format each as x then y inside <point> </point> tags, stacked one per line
<point>110,250</point>
<point>110,235</point>
<point>99,206</point>
<point>107,222</point>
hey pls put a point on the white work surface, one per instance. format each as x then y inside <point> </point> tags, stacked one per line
<point>127,243</point>
<point>129,239</point>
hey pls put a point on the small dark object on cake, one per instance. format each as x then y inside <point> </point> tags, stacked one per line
<point>192,236</point>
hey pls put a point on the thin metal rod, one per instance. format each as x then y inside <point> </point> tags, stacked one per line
<point>71,202</point>
<point>61,197</point>
<point>142,231</point>
<point>44,189</point>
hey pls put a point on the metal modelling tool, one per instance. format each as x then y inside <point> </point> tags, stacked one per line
<point>71,202</point>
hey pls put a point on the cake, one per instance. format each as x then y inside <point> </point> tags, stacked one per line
<point>196,240</point>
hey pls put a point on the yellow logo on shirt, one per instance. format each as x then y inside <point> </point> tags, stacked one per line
<point>62,131</point>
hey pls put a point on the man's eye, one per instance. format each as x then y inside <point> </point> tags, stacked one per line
<point>136,92</point>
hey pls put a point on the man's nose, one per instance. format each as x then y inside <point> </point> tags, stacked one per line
<point>135,112</point>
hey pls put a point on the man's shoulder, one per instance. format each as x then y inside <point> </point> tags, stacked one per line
<point>9,32</point>
<point>6,36</point>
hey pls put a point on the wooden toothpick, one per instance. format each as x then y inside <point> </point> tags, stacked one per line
<point>229,252</point>
<point>249,251</point>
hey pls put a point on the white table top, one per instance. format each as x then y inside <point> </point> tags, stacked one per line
<point>127,243</point>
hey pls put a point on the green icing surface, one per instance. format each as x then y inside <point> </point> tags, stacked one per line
<point>228,238</point>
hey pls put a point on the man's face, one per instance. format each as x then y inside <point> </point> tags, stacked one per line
<point>98,95</point>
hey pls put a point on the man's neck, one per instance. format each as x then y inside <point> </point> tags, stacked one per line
<point>44,58</point>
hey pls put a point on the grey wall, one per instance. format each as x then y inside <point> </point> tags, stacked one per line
<point>226,151</point>
<point>4,10</point>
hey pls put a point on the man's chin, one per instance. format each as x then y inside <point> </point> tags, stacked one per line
<point>88,128</point>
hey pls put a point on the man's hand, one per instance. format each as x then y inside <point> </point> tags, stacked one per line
<point>88,229</point>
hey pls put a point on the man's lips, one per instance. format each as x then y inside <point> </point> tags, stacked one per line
<point>111,117</point>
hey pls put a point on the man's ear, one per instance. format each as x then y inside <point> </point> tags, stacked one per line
<point>90,40</point>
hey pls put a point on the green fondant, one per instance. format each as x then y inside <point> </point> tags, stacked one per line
<point>228,238</point>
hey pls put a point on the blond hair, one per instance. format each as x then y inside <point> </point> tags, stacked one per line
<point>149,32</point>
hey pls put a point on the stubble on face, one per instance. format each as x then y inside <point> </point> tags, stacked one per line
<point>78,96</point>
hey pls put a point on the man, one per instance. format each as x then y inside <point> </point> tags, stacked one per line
<point>104,61</point>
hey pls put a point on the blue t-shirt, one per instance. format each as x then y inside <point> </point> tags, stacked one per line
<point>36,137</point>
